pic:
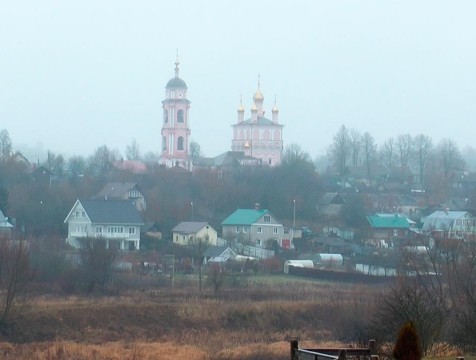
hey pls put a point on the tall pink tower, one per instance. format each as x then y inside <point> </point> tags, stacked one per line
<point>175,127</point>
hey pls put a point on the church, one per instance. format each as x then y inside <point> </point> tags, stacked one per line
<point>258,136</point>
<point>256,140</point>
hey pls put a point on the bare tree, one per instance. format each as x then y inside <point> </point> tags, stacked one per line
<point>102,159</point>
<point>132,150</point>
<point>355,143</point>
<point>369,148</point>
<point>387,152</point>
<point>293,155</point>
<point>15,273</point>
<point>96,265</point>
<point>423,146</point>
<point>339,150</point>
<point>195,150</point>
<point>404,145</point>
<point>54,163</point>
<point>409,300</point>
<point>5,145</point>
<point>450,157</point>
<point>76,166</point>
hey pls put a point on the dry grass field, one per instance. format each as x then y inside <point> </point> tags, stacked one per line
<point>251,322</point>
<point>254,321</point>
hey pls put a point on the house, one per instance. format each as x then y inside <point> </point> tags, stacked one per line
<point>124,190</point>
<point>254,227</point>
<point>151,229</point>
<point>42,176</point>
<point>188,232</point>
<point>450,225</point>
<point>330,204</point>
<point>218,254</point>
<point>6,228</point>
<point>117,222</point>
<point>386,228</point>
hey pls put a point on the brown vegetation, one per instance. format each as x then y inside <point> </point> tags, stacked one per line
<point>249,323</point>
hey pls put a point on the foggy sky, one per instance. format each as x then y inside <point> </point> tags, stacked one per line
<point>75,75</point>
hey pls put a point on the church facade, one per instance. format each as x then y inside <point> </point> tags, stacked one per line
<point>258,136</point>
<point>175,124</point>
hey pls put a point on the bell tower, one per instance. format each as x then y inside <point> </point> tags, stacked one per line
<point>175,123</point>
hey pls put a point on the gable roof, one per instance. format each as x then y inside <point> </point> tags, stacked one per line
<point>4,221</point>
<point>331,198</point>
<point>214,251</point>
<point>385,222</point>
<point>102,211</point>
<point>189,227</point>
<point>244,217</point>
<point>116,189</point>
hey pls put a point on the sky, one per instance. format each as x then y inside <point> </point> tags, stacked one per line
<point>75,75</point>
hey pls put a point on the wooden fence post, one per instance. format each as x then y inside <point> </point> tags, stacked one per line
<point>373,347</point>
<point>294,346</point>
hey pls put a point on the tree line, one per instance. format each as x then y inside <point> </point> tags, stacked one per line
<point>350,148</point>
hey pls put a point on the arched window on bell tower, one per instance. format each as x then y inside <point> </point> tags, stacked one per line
<point>166,116</point>
<point>180,143</point>
<point>164,143</point>
<point>180,116</point>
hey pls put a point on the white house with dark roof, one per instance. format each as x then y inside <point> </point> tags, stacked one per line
<point>124,190</point>
<point>187,232</point>
<point>117,222</point>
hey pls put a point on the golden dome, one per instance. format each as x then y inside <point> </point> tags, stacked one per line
<point>275,107</point>
<point>258,95</point>
<point>240,107</point>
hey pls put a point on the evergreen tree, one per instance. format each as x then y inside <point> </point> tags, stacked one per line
<point>408,345</point>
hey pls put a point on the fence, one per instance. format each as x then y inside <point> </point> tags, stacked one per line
<point>333,353</point>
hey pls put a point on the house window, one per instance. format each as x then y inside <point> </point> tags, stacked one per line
<point>237,229</point>
<point>132,230</point>
<point>98,229</point>
<point>259,230</point>
<point>245,229</point>
<point>115,230</point>
<point>180,116</point>
<point>267,218</point>
<point>395,232</point>
<point>275,230</point>
<point>83,214</point>
<point>180,143</point>
<point>258,242</point>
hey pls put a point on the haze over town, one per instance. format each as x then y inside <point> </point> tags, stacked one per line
<point>75,76</point>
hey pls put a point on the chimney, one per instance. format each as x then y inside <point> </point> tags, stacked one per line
<point>257,206</point>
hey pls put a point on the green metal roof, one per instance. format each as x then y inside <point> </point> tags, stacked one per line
<point>244,217</point>
<point>392,221</point>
